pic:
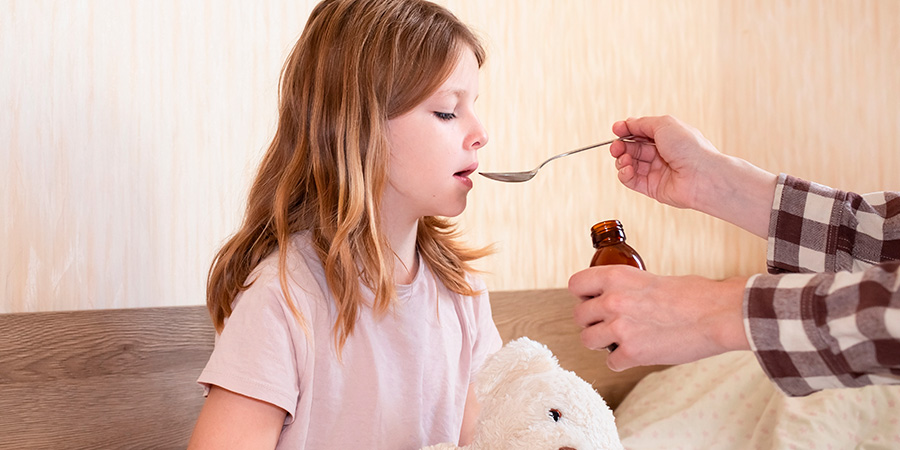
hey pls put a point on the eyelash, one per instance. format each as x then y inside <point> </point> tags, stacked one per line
<point>444,116</point>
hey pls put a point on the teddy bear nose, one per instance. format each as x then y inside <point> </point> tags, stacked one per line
<point>566,448</point>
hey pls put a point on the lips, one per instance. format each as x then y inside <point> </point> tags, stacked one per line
<point>468,171</point>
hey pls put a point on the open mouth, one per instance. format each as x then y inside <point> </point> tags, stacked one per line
<point>468,171</point>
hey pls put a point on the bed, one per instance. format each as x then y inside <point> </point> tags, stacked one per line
<point>723,402</point>
<point>727,402</point>
<point>127,379</point>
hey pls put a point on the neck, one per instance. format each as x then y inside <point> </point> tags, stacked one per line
<point>403,243</point>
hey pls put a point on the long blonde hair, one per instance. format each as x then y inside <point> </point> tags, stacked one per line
<point>357,64</point>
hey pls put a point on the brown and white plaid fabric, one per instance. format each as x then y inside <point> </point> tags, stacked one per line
<point>828,314</point>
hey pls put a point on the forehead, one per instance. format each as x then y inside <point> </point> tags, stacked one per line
<point>463,79</point>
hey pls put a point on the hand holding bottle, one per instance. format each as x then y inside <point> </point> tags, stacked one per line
<point>655,319</point>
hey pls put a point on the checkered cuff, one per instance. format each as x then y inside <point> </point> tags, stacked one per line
<point>814,228</point>
<point>817,331</point>
<point>832,319</point>
<point>782,319</point>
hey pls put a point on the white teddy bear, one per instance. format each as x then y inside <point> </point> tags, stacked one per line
<point>529,402</point>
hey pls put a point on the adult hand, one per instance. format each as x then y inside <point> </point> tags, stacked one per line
<point>683,169</point>
<point>656,319</point>
<point>674,170</point>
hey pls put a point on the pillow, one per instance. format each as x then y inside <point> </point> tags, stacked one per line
<point>727,402</point>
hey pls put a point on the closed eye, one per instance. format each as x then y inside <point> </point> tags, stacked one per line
<point>444,116</point>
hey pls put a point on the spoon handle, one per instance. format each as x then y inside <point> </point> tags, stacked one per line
<point>577,151</point>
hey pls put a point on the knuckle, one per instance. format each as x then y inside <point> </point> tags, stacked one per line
<point>615,303</point>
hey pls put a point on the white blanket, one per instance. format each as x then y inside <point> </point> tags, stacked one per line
<point>726,402</point>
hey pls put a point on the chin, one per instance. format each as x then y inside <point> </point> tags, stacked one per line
<point>452,209</point>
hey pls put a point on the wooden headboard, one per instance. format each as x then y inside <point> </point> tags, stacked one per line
<point>123,378</point>
<point>126,378</point>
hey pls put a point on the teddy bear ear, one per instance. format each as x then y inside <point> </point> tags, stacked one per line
<point>519,357</point>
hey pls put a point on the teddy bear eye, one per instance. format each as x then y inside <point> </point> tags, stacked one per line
<point>555,414</point>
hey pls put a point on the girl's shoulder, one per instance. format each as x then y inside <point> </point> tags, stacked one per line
<point>478,285</point>
<point>300,257</point>
<point>303,273</point>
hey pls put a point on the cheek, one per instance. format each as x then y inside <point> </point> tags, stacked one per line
<point>403,170</point>
<point>402,160</point>
<point>403,149</point>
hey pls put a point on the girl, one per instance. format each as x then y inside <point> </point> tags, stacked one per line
<point>346,311</point>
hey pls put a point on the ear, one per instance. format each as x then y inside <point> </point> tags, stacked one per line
<point>517,358</point>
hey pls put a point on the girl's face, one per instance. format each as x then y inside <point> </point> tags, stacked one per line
<point>433,149</point>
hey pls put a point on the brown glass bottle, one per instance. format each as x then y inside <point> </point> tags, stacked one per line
<point>609,240</point>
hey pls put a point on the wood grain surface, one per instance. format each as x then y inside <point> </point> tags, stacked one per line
<point>111,379</point>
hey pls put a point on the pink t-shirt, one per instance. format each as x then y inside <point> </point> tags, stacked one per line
<point>404,377</point>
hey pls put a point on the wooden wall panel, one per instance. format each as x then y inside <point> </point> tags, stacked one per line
<point>130,130</point>
<point>813,89</point>
<point>558,75</point>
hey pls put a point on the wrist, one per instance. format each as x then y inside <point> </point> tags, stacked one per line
<point>739,193</point>
<point>728,327</point>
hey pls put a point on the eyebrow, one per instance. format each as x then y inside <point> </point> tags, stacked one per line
<point>454,92</point>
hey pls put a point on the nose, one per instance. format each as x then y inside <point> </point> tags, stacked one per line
<point>478,136</point>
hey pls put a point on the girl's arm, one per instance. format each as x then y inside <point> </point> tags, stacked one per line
<point>230,420</point>
<point>470,416</point>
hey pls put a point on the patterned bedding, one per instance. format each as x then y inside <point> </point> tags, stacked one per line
<point>726,402</point>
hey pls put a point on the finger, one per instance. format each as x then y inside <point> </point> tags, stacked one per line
<point>616,361</point>
<point>645,126</point>
<point>620,358</point>
<point>624,160</point>
<point>596,337</point>
<point>627,168</point>
<point>636,153</point>
<point>626,176</point>
<point>588,313</point>
<point>641,152</point>
<point>617,148</point>
<point>620,128</point>
<point>588,283</point>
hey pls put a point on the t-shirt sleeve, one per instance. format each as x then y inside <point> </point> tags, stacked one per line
<point>256,353</point>
<point>487,337</point>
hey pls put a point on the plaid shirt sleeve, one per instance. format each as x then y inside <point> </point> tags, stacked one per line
<point>828,313</point>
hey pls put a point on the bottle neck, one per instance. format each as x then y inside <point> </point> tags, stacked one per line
<point>606,233</point>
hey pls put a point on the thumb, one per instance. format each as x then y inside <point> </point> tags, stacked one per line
<point>616,361</point>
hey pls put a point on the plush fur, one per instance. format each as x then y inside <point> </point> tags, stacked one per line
<point>529,402</point>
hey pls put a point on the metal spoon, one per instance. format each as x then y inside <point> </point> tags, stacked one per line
<point>518,177</point>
